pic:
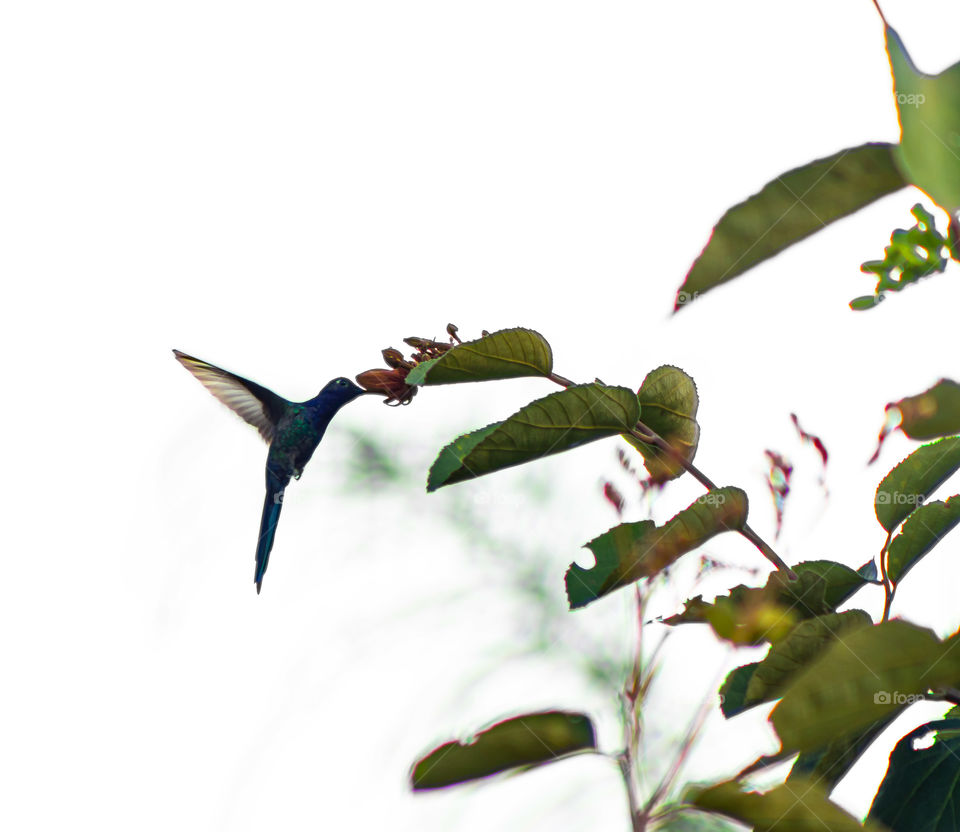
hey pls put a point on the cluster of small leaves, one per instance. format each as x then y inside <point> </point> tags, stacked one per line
<point>913,253</point>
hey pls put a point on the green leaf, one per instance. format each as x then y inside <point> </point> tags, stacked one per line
<point>733,691</point>
<point>924,529</point>
<point>929,111</point>
<point>632,551</point>
<point>555,423</point>
<point>821,586</point>
<point>789,208</point>
<point>913,253</point>
<point>863,676</point>
<point>919,791</point>
<point>668,400</point>
<point>519,742</point>
<point>933,413</point>
<point>509,353</point>
<point>829,765</point>
<point>910,483</point>
<point>798,806</point>
<point>790,655</point>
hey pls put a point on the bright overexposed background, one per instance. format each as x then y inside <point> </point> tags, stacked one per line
<point>286,188</point>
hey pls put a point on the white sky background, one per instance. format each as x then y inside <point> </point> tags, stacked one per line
<point>286,188</point>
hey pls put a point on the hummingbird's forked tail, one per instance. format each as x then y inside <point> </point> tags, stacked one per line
<point>272,503</point>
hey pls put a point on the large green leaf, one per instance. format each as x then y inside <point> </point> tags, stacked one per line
<point>632,551</point>
<point>788,209</point>
<point>509,353</point>
<point>797,806</point>
<point>933,413</point>
<point>519,742</point>
<point>924,529</point>
<point>668,400</point>
<point>909,484</point>
<point>919,791</point>
<point>556,423</point>
<point>863,676</point>
<point>929,111</point>
<point>794,652</point>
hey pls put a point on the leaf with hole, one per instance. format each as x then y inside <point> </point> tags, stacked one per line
<point>933,413</point>
<point>632,551</point>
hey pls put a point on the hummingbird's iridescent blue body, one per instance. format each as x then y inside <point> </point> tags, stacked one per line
<point>293,429</point>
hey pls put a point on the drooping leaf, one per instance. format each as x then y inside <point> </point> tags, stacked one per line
<point>797,806</point>
<point>860,678</point>
<point>790,655</point>
<point>555,423</point>
<point>509,353</point>
<point>788,209</point>
<point>919,791</point>
<point>669,401</point>
<point>632,551</point>
<point>913,253</point>
<point>909,484</point>
<point>929,111</point>
<point>924,529</point>
<point>519,742</point>
<point>733,691</point>
<point>933,413</point>
<point>821,586</point>
<point>829,765</point>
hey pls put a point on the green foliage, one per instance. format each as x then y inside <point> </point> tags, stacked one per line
<point>933,413</point>
<point>632,551</point>
<point>550,425</point>
<point>519,742</point>
<point>924,529</point>
<point>733,691</point>
<point>912,254</point>
<point>909,484</point>
<point>788,209</point>
<point>863,676</point>
<point>919,791</point>
<point>509,353</point>
<point>799,806</point>
<point>668,401</point>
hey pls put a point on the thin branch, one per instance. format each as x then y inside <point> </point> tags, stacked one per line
<point>889,590</point>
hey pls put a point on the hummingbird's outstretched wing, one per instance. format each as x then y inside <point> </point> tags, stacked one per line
<point>260,407</point>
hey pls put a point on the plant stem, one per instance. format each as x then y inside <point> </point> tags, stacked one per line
<point>889,590</point>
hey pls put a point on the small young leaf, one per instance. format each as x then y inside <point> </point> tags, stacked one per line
<point>929,111</point>
<point>798,806</point>
<point>632,551</point>
<point>519,742</point>
<point>555,423</point>
<point>910,483</point>
<point>924,529</point>
<point>864,675</point>
<point>509,353</point>
<point>668,401</point>
<point>933,413</point>
<point>788,209</point>
<point>919,791</point>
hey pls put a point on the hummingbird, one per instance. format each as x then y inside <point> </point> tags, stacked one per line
<point>292,429</point>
